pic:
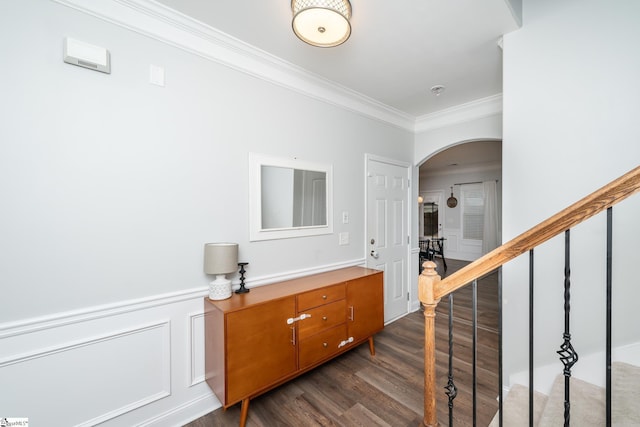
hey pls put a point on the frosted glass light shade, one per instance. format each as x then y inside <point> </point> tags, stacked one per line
<point>322,23</point>
<point>220,258</point>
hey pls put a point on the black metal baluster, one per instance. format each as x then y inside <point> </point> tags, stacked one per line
<point>531,338</point>
<point>500,380</point>
<point>568,355</point>
<point>609,309</point>
<point>452,391</point>
<point>474,287</point>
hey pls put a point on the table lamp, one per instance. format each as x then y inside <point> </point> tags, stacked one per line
<point>220,259</point>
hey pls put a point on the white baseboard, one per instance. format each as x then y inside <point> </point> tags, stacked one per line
<point>184,414</point>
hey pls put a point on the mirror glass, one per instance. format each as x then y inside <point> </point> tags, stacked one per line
<point>289,198</point>
<point>430,217</point>
<point>292,197</point>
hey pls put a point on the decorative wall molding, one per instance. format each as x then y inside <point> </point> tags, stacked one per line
<point>37,324</point>
<point>90,350</point>
<point>294,274</point>
<point>43,352</point>
<point>176,29</point>
<point>196,324</point>
<point>478,109</point>
<point>56,320</point>
<point>166,378</point>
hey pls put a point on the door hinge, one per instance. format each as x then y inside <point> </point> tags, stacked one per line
<point>407,296</point>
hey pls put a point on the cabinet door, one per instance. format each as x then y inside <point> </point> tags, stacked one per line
<point>261,347</point>
<point>365,306</point>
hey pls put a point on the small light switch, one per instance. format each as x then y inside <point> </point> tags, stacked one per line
<point>156,75</point>
<point>343,238</point>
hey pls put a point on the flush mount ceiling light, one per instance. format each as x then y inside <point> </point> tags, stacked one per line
<point>322,23</point>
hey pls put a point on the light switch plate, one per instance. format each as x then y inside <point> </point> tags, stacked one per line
<point>343,238</point>
<point>156,75</point>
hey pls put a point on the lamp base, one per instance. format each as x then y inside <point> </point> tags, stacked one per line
<point>220,288</point>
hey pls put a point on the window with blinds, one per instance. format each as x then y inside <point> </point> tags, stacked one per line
<point>472,201</point>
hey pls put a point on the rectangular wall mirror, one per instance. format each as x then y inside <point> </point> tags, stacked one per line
<point>288,198</point>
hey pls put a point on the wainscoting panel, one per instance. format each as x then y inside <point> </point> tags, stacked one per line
<point>137,362</point>
<point>196,334</point>
<point>91,380</point>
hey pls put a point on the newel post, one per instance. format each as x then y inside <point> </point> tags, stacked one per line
<point>426,283</point>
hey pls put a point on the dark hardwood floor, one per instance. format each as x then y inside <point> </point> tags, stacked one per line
<point>356,389</point>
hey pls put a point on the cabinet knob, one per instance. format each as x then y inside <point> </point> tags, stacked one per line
<point>324,297</point>
<point>324,318</point>
<point>325,345</point>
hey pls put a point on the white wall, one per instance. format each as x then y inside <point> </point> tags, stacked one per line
<point>430,142</point>
<point>110,187</point>
<point>571,97</point>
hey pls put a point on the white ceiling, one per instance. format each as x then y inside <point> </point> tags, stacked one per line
<point>397,51</point>
<point>463,158</point>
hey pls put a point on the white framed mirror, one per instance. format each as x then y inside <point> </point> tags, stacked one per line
<point>289,198</point>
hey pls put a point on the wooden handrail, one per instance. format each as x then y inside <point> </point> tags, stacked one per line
<point>598,201</point>
<point>431,288</point>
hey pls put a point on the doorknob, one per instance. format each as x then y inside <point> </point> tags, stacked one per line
<point>374,254</point>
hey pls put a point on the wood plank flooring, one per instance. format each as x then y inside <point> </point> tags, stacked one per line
<point>356,389</point>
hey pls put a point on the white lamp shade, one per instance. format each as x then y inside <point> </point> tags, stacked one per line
<point>220,258</point>
<point>322,23</point>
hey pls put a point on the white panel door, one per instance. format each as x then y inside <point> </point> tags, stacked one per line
<point>388,231</point>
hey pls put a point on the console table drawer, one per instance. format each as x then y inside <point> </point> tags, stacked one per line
<point>321,346</point>
<point>323,317</point>
<point>319,297</point>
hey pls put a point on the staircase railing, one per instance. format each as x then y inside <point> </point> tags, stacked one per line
<point>431,288</point>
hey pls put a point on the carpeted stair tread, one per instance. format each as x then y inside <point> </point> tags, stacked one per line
<point>516,407</point>
<point>625,395</point>
<point>587,404</point>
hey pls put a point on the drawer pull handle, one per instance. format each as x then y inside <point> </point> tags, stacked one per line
<point>324,297</point>
<point>292,320</point>
<point>345,342</point>
<point>293,335</point>
<point>325,345</point>
<point>351,313</point>
<point>324,318</point>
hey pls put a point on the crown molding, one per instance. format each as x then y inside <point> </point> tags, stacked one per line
<point>473,110</point>
<point>176,29</point>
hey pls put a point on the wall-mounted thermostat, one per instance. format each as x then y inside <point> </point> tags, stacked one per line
<point>86,55</point>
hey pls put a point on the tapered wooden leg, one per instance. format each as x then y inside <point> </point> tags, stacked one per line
<point>244,411</point>
<point>372,349</point>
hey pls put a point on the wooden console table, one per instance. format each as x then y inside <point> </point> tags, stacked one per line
<point>259,340</point>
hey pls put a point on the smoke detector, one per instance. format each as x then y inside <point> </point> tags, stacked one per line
<point>437,89</point>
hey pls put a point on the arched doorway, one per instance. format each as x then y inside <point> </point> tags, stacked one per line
<point>463,173</point>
